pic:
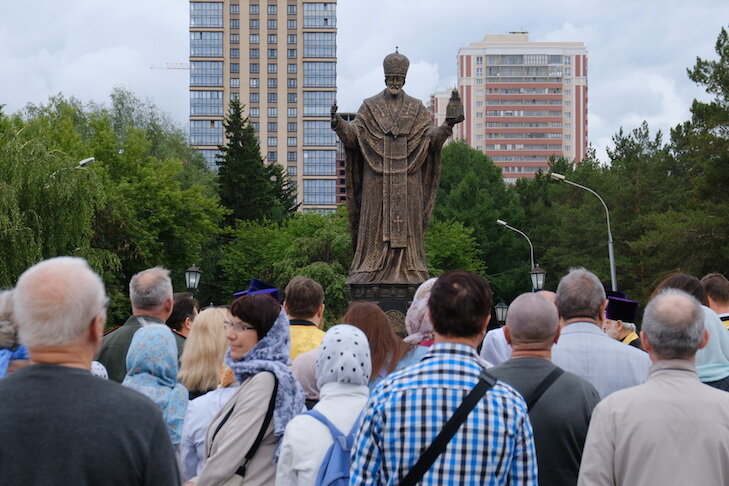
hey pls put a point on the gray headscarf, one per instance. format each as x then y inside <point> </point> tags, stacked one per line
<point>344,357</point>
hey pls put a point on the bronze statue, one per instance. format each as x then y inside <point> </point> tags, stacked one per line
<point>393,163</point>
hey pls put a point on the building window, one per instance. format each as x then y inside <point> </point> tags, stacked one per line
<point>235,82</point>
<point>291,68</point>
<point>320,191</point>
<point>234,24</point>
<point>254,24</point>
<point>272,156</point>
<point>291,24</point>
<point>291,142</point>
<point>254,53</point>
<point>254,83</point>
<point>234,8</point>
<point>273,24</point>
<point>318,103</point>
<point>291,9</point>
<point>211,157</point>
<point>272,53</point>
<point>206,103</point>
<point>273,97</point>
<point>319,133</point>
<point>479,60</point>
<point>254,97</point>
<point>320,15</point>
<point>272,112</point>
<point>320,162</point>
<point>291,38</point>
<point>272,126</point>
<point>568,71</point>
<point>567,148</point>
<point>254,68</point>
<point>272,39</point>
<point>254,38</point>
<point>235,38</point>
<point>291,127</point>
<point>567,136</point>
<point>291,53</point>
<point>206,132</point>
<point>272,10</point>
<point>320,74</point>
<point>567,60</point>
<point>291,97</point>
<point>291,157</point>
<point>254,9</point>
<point>320,44</point>
<point>272,141</point>
<point>206,14</point>
<point>291,83</point>
<point>234,53</point>
<point>206,73</point>
<point>255,112</point>
<point>234,96</point>
<point>206,44</point>
<point>255,125</point>
<point>272,83</point>
<point>234,67</point>
<point>272,68</point>
<point>291,112</point>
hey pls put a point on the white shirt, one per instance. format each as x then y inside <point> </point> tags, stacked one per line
<point>200,412</point>
<point>306,440</point>
<point>495,349</point>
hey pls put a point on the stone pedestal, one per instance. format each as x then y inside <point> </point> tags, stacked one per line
<point>393,299</point>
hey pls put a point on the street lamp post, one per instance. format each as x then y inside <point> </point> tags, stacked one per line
<point>537,275</point>
<point>611,249</point>
<point>501,311</point>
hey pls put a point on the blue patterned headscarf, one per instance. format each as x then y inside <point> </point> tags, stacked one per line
<point>272,354</point>
<point>152,371</point>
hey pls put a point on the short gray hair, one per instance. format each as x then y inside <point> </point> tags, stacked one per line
<point>674,324</point>
<point>150,288</point>
<point>580,294</point>
<point>56,300</point>
<point>8,330</point>
<point>532,318</point>
<point>629,326</point>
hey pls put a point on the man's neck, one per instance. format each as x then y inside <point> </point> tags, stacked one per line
<point>72,356</point>
<point>527,351</point>
<point>313,319</point>
<point>148,313</point>
<point>468,341</point>
<point>574,320</point>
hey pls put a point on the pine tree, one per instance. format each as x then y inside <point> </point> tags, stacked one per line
<point>252,190</point>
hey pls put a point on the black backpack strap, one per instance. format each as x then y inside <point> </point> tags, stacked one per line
<point>543,387</point>
<point>241,471</point>
<point>485,383</point>
<point>217,429</point>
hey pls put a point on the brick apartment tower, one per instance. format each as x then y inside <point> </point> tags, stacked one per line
<point>523,101</point>
<point>279,57</point>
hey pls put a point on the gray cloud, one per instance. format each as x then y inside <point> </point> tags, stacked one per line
<point>638,51</point>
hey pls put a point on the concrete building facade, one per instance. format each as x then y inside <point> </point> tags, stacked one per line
<point>279,58</point>
<point>524,101</point>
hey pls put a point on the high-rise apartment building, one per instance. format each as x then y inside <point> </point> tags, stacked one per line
<point>524,101</point>
<point>279,58</point>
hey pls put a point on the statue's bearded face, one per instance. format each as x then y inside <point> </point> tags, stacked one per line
<point>394,84</point>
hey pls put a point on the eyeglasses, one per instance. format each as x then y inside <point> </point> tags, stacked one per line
<point>237,326</point>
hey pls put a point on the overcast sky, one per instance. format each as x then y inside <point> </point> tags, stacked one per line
<point>638,50</point>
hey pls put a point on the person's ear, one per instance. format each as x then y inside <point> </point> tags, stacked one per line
<point>507,335</point>
<point>704,339</point>
<point>320,312</point>
<point>169,304</point>
<point>645,343</point>
<point>556,334</point>
<point>286,307</point>
<point>486,323</point>
<point>619,325</point>
<point>187,323</point>
<point>96,329</point>
<point>601,312</point>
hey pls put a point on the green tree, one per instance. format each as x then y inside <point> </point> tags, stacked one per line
<point>251,190</point>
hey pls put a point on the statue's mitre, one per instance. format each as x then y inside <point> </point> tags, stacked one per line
<point>396,64</point>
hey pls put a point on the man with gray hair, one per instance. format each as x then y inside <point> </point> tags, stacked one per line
<point>150,292</point>
<point>59,424</point>
<point>671,430</point>
<point>584,349</point>
<point>559,403</point>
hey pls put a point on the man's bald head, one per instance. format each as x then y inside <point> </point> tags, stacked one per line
<point>549,295</point>
<point>532,319</point>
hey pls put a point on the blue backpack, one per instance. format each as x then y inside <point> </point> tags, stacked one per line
<point>334,469</point>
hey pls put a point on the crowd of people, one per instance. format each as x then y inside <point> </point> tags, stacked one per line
<point>572,390</point>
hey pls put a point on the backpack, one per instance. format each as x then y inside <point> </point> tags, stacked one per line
<point>334,469</point>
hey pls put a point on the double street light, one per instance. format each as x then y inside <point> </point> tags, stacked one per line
<point>611,249</point>
<point>537,274</point>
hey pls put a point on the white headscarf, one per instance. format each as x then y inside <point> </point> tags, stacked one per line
<point>344,357</point>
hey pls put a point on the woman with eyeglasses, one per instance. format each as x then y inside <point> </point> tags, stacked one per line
<point>243,439</point>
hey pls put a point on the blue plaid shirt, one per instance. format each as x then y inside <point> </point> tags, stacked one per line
<point>494,446</point>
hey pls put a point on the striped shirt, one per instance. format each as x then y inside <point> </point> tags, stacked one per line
<point>494,446</point>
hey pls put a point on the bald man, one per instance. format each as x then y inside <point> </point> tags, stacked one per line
<point>560,403</point>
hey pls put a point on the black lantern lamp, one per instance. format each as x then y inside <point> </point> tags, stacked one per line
<point>192,279</point>
<point>538,275</point>
<point>501,311</point>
